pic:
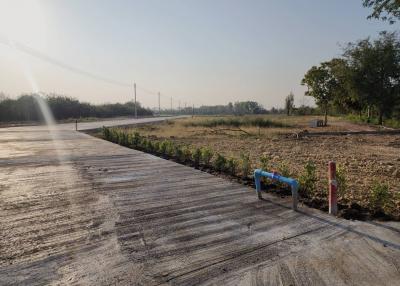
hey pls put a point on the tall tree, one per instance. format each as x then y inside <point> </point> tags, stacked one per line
<point>289,103</point>
<point>345,97</point>
<point>322,85</point>
<point>375,72</point>
<point>386,10</point>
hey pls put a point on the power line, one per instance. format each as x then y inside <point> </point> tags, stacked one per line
<point>32,52</point>
<point>146,90</point>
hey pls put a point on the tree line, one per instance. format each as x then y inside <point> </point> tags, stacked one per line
<point>365,79</point>
<point>26,108</point>
<point>236,108</point>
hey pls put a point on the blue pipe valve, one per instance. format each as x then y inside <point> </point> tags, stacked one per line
<point>294,185</point>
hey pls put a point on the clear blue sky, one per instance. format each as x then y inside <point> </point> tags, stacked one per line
<point>202,52</point>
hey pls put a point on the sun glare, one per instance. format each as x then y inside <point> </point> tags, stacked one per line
<point>23,21</point>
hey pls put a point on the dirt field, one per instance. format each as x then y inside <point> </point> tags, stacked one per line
<point>365,159</point>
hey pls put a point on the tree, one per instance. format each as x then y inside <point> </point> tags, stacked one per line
<point>322,85</point>
<point>25,108</point>
<point>248,107</point>
<point>375,72</point>
<point>386,10</point>
<point>345,97</point>
<point>289,103</point>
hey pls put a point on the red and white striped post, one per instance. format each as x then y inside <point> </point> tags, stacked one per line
<point>332,188</point>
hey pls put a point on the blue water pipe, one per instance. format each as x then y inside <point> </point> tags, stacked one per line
<point>294,185</point>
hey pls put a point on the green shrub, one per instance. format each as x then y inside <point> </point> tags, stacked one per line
<point>196,156</point>
<point>149,146</point>
<point>178,154</point>
<point>170,149</point>
<point>379,196</point>
<point>125,141</point>
<point>245,165</point>
<point>220,163</point>
<point>106,133</point>
<point>264,162</point>
<point>118,137</point>
<point>284,169</point>
<point>186,154</point>
<point>206,155</point>
<point>136,140</point>
<point>231,166</point>
<point>129,140</point>
<point>143,144</point>
<point>156,146</point>
<point>162,149</point>
<point>308,179</point>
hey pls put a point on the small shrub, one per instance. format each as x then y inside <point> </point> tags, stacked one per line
<point>129,139</point>
<point>143,144</point>
<point>308,179</point>
<point>162,149</point>
<point>231,166</point>
<point>245,164</point>
<point>220,163</point>
<point>196,156</point>
<point>186,154</point>
<point>379,196</point>
<point>284,169</point>
<point>106,133</point>
<point>119,136</point>
<point>178,154</point>
<point>149,147</point>
<point>136,140</point>
<point>125,139</point>
<point>264,162</point>
<point>156,146</point>
<point>206,155</point>
<point>170,149</point>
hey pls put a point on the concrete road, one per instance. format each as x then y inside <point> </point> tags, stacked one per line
<point>76,210</point>
<point>98,124</point>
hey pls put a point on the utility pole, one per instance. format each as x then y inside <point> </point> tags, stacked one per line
<point>193,111</point>
<point>171,104</point>
<point>159,105</point>
<point>179,108</point>
<point>134,87</point>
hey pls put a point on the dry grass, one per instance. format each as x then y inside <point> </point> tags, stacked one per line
<point>191,127</point>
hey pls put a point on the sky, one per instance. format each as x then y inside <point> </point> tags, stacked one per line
<point>201,52</point>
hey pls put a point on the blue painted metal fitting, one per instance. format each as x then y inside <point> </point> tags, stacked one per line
<point>294,185</point>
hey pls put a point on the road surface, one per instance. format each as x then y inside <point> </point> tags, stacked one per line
<point>83,211</point>
<point>82,126</point>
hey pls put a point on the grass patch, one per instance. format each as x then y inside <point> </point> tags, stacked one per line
<point>392,123</point>
<point>237,122</point>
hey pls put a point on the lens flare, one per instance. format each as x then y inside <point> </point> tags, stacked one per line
<point>23,21</point>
